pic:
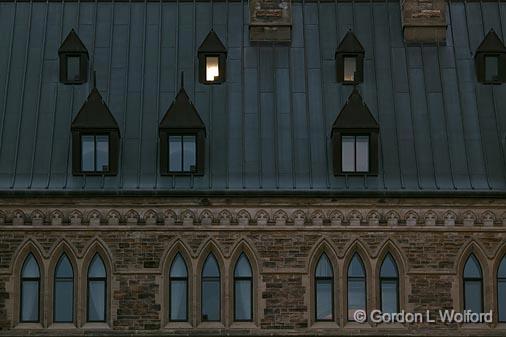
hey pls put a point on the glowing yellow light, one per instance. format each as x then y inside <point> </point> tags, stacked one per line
<point>350,67</point>
<point>212,69</point>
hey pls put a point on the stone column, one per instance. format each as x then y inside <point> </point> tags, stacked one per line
<point>424,21</point>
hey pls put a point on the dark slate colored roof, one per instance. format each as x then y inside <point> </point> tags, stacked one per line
<point>72,44</point>
<point>94,114</point>
<point>212,43</point>
<point>491,43</point>
<point>355,114</point>
<point>268,127</point>
<point>350,44</point>
<point>182,114</point>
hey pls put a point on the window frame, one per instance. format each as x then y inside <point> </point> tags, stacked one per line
<point>104,279</point>
<point>210,278</point>
<point>22,279</point>
<point>221,73</point>
<point>243,278</point>
<point>55,280</point>
<point>94,135</point>
<point>498,57</point>
<point>199,150</point>
<point>186,279</point>
<point>355,135</point>
<point>348,277</point>
<point>389,278</point>
<point>83,67</point>
<point>467,279</point>
<point>181,136</point>
<point>500,279</point>
<point>316,281</point>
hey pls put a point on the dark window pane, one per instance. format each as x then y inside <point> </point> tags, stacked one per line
<point>87,153</point>
<point>73,71</point>
<point>175,153</point>
<point>189,153</point>
<point>356,296</point>
<point>178,296</point>
<point>97,268</point>
<point>350,67</point>
<point>362,153</point>
<point>102,153</point>
<point>491,68</point>
<point>242,267</point>
<point>472,293</point>
<point>63,300</point>
<point>356,267</point>
<point>64,268</point>
<point>324,268</point>
<point>501,298</point>
<point>472,268</point>
<point>324,300</point>
<point>243,300</point>
<point>389,296</point>
<point>501,271</point>
<point>388,267</point>
<point>30,268</point>
<point>96,300</point>
<point>348,154</point>
<point>178,268</point>
<point>211,300</point>
<point>30,301</point>
<point>211,267</point>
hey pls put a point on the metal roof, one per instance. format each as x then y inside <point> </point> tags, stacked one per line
<point>268,127</point>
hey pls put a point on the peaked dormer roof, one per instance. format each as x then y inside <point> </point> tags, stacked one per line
<point>350,44</point>
<point>94,114</point>
<point>355,114</point>
<point>212,44</point>
<point>491,43</point>
<point>72,44</point>
<point>182,114</point>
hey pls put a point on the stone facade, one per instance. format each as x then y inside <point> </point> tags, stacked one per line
<point>430,240</point>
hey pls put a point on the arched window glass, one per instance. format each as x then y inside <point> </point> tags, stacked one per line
<point>63,291</point>
<point>473,285</point>
<point>211,291</point>
<point>389,285</point>
<point>178,293</point>
<point>501,291</point>
<point>97,290</point>
<point>243,290</point>
<point>324,290</point>
<point>356,286</point>
<point>30,290</point>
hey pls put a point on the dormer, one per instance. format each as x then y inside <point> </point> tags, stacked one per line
<point>212,56</point>
<point>490,60</point>
<point>95,138</point>
<point>355,139</point>
<point>182,138</point>
<point>350,60</point>
<point>73,60</point>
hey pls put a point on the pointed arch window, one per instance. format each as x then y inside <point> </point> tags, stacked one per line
<point>356,286</point>
<point>501,291</point>
<point>178,290</point>
<point>211,290</point>
<point>473,285</point>
<point>389,285</point>
<point>30,290</point>
<point>97,290</point>
<point>63,300</point>
<point>243,290</point>
<point>324,290</point>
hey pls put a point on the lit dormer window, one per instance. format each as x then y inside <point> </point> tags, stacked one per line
<point>212,56</point>
<point>350,60</point>
<point>73,60</point>
<point>182,138</point>
<point>490,60</point>
<point>355,139</point>
<point>95,138</point>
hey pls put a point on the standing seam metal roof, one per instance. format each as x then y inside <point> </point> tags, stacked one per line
<point>268,127</point>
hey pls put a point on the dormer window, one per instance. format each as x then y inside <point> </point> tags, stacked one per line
<point>355,139</point>
<point>212,56</point>
<point>73,60</point>
<point>182,138</point>
<point>95,138</point>
<point>350,60</point>
<point>490,60</point>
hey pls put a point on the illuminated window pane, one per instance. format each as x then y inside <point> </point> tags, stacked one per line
<point>348,154</point>
<point>350,67</point>
<point>73,72</point>
<point>88,153</point>
<point>491,68</point>
<point>212,69</point>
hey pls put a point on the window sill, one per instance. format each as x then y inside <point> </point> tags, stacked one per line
<point>391,326</point>
<point>356,325</point>
<point>325,325</point>
<point>178,325</point>
<point>29,326</point>
<point>243,325</point>
<point>477,326</point>
<point>210,325</point>
<point>62,326</point>
<point>96,326</point>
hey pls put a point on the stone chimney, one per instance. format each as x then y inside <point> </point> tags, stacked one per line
<point>424,21</point>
